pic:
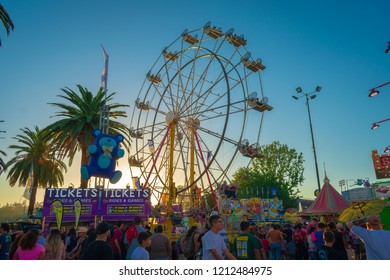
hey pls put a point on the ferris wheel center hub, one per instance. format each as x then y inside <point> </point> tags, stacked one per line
<point>193,123</point>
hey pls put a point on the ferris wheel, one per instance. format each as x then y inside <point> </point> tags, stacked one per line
<point>199,103</point>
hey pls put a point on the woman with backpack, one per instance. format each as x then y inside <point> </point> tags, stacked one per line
<point>188,243</point>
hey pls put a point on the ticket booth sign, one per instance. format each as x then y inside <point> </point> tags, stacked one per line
<point>381,165</point>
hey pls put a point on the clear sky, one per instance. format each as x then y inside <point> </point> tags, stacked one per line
<point>338,45</point>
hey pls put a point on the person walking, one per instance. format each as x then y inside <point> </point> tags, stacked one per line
<point>161,248</point>
<point>131,236</point>
<point>115,241</point>
<point>340,243</point>
<point>276,237</point>
<point>214,247</point>
<point>376,240</point>
<point>55,248</point>
<point>28,248</point>
<point>246,246</point>
<point>99,249</point>
<point>140,253</point>
<point>326,251</point>
<point>5,241</point>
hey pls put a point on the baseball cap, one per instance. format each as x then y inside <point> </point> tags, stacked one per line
<point>83,229</point>
<point>102,228</point>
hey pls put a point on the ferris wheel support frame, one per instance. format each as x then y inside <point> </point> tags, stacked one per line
<point>207,173</point>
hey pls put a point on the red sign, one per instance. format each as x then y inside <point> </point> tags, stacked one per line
<point>381,165</point>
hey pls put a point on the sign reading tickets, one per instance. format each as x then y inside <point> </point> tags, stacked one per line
<point>119,204</point>
<point>77,204</point>
<point>85,204</point>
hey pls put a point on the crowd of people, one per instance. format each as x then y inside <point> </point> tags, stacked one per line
<point>299,241</point>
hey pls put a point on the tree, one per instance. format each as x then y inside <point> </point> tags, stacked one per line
<point>2,163</point>
<point>34,157</point>
<point>280,168</point>
<point>80,118</point>
<point>6,20</point>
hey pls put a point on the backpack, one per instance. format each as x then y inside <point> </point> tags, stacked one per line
<point>322,254</point>
<point>298,236</point>
<point>131,233</point>
<point>189,248</point>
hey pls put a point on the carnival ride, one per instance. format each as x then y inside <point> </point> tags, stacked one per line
<point>194,110</point>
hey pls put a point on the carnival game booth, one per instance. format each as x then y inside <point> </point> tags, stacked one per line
<point>255,210</point>
<point>69,207</point>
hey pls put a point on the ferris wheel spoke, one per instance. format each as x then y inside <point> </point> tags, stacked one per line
<point>206,92</point>
<point>215,160</point>
<point>169,87</point>
<point>233,86</point>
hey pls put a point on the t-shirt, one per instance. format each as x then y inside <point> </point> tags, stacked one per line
<point>5,241</point>
<point>98,250</point>
<point>245,245</point>
<point>376,242</point>
<point>225,236</point>
<point>140,253</point>
<point>327,253</point>
<point>116,236</point>
<point>210,241</point>
<point>32,254</point>
<point>134,243</point>
<point>161,247</point>
<point>319,238</point>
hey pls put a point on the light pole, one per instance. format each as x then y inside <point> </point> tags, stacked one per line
<point>374,92</point>
<point>310,96</point>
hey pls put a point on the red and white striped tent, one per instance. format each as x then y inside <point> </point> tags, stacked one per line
<point>328,202</point>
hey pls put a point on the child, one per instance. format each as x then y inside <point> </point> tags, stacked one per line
<point>140,252</point>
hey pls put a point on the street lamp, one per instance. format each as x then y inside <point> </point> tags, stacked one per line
<point>309,96</point>
<point>374,91</point>
<point>375,125</point>
<point>388,48</point>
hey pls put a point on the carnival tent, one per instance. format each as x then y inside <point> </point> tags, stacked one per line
<point>328,202</point>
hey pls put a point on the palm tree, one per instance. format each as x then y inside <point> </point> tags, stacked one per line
<point>6,20</point>
<point>81,118</point>
<point>2,163</point>
<point>35,155</point>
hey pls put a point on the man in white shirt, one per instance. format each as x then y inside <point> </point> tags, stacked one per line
<point>214,246</point>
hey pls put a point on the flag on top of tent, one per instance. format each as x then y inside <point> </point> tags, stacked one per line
<point>151,145</point>
<point>209,157</point>
<point>105,70</point>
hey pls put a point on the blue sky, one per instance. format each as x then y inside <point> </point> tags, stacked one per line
<point>338,45</point>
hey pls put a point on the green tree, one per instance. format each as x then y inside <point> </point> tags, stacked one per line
<point>34,157</point>
<point>6,20</point>
<point>280,168</point>
<point>80,118</point>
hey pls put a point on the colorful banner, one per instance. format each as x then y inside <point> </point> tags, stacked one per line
<point>77,212</point>
<point>255,208</point>
<point>58,210</point>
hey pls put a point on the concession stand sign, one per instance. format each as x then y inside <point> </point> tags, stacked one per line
<point>120,204</point>
<point>111,204</point>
